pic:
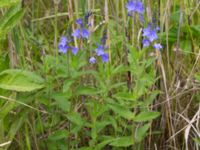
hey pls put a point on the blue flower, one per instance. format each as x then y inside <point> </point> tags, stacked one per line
<point>79,22</point>
<point>150,33</point>
<point>145,42</point>
<point>92,60</point>
<point>100,50</point>
<point>130,6</point>
<point>74,50</point>
<point>62,46</point>
<point>152,36</point>
<point>80,32</point>
<point>85,33</point>
<point>63,40</point>
<point>139,7</point>
<point>135,6</point>
<point>77,33</point>
<point>105,57</point>
<point>157,46</point>
<point>157,28</point>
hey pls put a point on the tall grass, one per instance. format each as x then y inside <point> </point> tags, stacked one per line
<point>79,105</point>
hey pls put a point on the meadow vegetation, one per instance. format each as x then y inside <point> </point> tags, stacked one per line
<point>99,74</point>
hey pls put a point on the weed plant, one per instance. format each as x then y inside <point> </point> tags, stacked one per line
<point>99,74</point>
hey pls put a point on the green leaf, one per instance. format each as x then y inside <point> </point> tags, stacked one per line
<point>58,135</point>
<point>67,84</point>
<point>62,100</point>
<point>175,16</point>
<point>5,110</point>
<point>10,19</point>
<point>75,118</point>
<point>17,124</point>
<point>86,90</point>
<point>8,15</point>
<point>77,122</point>
<point>186,45</point>
<point>146,116</point>
<point>95,109</point>
<point>125,96</point>
<point>196,28</point>
<point>8,3</point>
<point>13,20</point>
<point>122,111</point>
<point>122,141</point>
<point>105,140</point>
<point>20,80</point>
<point>141,132</point>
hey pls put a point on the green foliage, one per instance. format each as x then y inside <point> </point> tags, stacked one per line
<point>20,80</point>
<point>10,18</point>
<point>6,3</point>
<point>141,132</point>
<point>66,103</point>
<point>146,116</point>
<point>122,142</point>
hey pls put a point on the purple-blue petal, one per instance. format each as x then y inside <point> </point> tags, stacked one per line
<point>157,28</point>
<point>63,48</point>
<point>150,33</point>
<point>77,33</point>
<point>152,36</point>
<point>63,41</point>
<point>105,57</point>
<point>145,42</point>
<point>130,6</point>
<point>157,46</point>
<point>139,7</point>
<point>100,50</point>
<point>135,6</point>
<point>74,50</point>
<point>92,60</point>
<point>85,33</point>
<point>79,22</point>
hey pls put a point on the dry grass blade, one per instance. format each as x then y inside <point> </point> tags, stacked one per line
<point>5,144</point>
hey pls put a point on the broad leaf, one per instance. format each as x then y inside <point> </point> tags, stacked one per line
<point>20,80</point>
<point>75,118</point>
<point>146,116</point>
<point>10,19</point>
<point>125,96</point>
<point>62,100</point>
<point>58,135</point>
<point>122,111</point>
<point>122,141</point>
<point>141,132</point>
<point>86,90</point>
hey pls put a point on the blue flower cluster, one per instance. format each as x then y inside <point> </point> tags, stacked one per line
<point>64,43</point>
<point>81,31</point>
<point>149,33</point>
<point>63,46</point>
<point>100,51</point>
